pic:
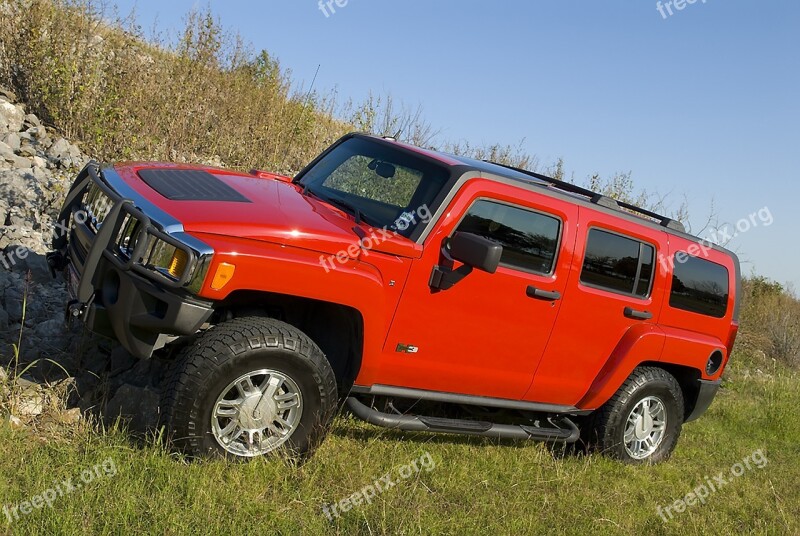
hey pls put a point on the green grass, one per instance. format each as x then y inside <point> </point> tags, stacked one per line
<point>477,486</point>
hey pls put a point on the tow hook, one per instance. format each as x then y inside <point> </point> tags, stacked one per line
<point>75,310</point>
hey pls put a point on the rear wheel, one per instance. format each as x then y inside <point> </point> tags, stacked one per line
<point>247,388</point>
<point>642,422</point>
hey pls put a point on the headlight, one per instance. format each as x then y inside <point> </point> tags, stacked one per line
<point>167,259</point>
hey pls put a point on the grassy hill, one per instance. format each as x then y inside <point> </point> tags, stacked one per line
<point>473,486</point>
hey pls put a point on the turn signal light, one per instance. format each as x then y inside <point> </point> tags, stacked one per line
<point>223,276</point>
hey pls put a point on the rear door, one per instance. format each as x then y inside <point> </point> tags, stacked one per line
<point>485,335</point>
<point>618,283</point>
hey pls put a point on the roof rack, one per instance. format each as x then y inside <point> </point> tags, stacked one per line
<point>598,198</point>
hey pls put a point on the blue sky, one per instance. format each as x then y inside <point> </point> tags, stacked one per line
<point>701,104</point>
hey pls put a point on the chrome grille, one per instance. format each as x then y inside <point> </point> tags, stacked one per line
<point>97,206</point>
<point>128,236</point>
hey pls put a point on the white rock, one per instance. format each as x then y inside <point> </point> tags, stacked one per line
<point>32,120</point>
<point>30,405</point>
<point>12,115</point>
<point>15,422</point>
<point>38,132</point>
<point>12,140</point>
<point>59,150</point>
<point>6,152</point>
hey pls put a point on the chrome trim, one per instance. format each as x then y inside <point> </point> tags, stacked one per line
<point>155,222</point>
<point>468,400</point>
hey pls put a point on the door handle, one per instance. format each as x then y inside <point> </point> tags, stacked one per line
<point>540,294</point>
<point>630,312</point>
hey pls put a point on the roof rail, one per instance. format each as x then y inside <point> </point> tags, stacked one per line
<point>598,198</point>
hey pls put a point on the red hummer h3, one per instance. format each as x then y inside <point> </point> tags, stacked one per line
<point>422,291</point>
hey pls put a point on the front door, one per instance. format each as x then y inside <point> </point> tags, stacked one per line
<point>485,335</point>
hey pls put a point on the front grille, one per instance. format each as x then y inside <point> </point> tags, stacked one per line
<point>128,236</point>
<point>97,206</point>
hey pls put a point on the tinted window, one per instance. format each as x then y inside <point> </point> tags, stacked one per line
<point>617,263</point>
<point>529,239</point>
<point>699,286</point>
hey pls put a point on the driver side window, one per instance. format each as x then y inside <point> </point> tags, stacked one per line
<point>529,239</point>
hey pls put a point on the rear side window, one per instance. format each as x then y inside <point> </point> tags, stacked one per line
<point>618,263</point>
<point>699,286</point>
<point>529,239</point>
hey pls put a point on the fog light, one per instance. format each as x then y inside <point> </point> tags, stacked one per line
<point>223,276</point>
<point>177,265</point>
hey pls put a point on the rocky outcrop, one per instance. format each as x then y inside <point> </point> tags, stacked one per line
<point>36,170</point>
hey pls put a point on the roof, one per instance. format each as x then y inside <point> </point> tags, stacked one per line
<point>538,179</point>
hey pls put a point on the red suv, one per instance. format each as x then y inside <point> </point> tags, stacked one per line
<point>423,291</point>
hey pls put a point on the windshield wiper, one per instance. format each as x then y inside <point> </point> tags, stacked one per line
<point>346,205</point>
<point>337,201</point>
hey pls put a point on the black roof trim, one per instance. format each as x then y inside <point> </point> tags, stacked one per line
<point>597,198</point>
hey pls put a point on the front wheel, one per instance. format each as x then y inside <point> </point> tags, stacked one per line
<point>642,422</point>
<point>247,388</point>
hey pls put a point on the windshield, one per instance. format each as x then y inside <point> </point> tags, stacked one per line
<point>377,184</point>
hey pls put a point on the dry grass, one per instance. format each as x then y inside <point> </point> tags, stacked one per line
<point>203,95</point>
<point>770,323</point>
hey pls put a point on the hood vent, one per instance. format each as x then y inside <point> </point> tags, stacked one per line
<point>190,185</point>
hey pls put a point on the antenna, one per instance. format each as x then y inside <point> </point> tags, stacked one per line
<point>299,118</point>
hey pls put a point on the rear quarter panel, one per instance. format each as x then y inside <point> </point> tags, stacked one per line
<point>692,337</point>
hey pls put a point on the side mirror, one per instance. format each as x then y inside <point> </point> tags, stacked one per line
<point>476,251</point>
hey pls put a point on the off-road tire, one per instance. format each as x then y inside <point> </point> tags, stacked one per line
<point>237,347</point>
<point>604,430</point>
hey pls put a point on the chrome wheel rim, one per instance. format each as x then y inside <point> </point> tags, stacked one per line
<point>257,413</point>
<point>645,428</point>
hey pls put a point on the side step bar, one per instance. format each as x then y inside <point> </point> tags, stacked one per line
<point>569,433</point>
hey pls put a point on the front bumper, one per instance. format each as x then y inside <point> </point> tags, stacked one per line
<point>707,391</point>
<point>114,293</point>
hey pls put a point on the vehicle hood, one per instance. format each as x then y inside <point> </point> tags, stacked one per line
<point>262,206</point>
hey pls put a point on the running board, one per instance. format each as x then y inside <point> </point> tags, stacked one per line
<point>569,433</point>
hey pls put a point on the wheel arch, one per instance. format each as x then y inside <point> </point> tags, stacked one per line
<point>325,323</point>
<point>688,378</point>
